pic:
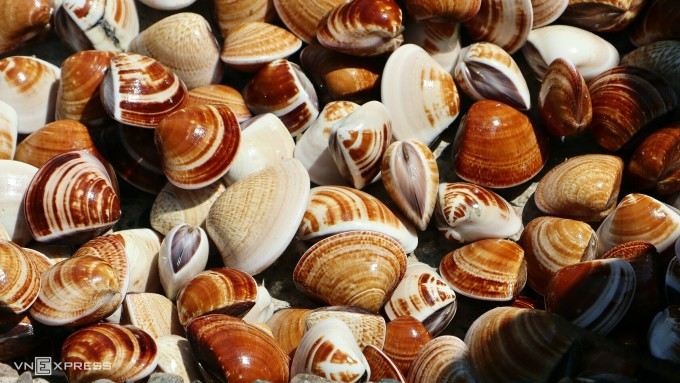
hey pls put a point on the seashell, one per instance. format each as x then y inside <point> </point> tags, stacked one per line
<point>583,187</point>
<point>404,339</point>
<point>443,359</point>
<point>153,313</point>
<point>564,100</point>
<point>3,234</point>
<point>262,310</point>
<point>381,365</point>
<point>8,131</point>
<point>197,144</point>
<point>654,165</point>
<point>216,291</point>
<point>221,94</point>
<point>174,206</point>
<point>432,103</point>
<point>424,295</point>
<point>551,243</point>
<point>130,353</point>
<point>442,10</point>
<point>167,5</point>
<point>336,209</point>
<point>468,213</point>
<point>514,344</point>
<point>15,179</point>
<point>250,46</point>
<point>302,17</point>
<point>368,328</point>
<point>355,268</point>
<point>56,253</point>
<point>29,85</point>
<point>659,57</point>
<point>105,25</point>
<point>663,336</point>
<point>140,91</point>
<point>142,247</point>
<point>230,13</point>
<point>20,283</point>
<point>76,292</point>
<point>22,22</point>
<point>659,21</point>
<point>594,294</point>
<point>617,112</point>
<point>293,100</point>
<point>183,254</point>
<point>287,326</point>
<point>602,15</point>
<point>547,11</point>
<point>358,142</point>
<point>230,349</point>
<point>410,176</point>
<point>84,204</point>
<point>112,251</point>
<point>329,350</point>
<point>255,219</point>
<point>78,91</point>
<point>640,217</point>
<point>496,146</point>
<point>590,53</point>
<point>489,269</point>
<point>18,336</point>
<point>174,357</point>
<point>440,40</point>
<point>487,72</point>
<point>504,23</point>
<point>265,142</point>
<point>312,146</point>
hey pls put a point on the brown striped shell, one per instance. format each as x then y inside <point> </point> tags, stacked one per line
<point>302,17</point>
<point>8,131</point>
<point>220,94</point>
<point>404,339</point>
<point>659,57</point>
<point>174,206</point>
<point>441,10</point>
<point>287,326</point>
<point>23,21</point>
<point>112,251</point>
<point>602,15</point>
<point>230,13</point>
<point>382,366</point>
<point>443,359</point>
<point>654,163</point>
<point>252,45</point>
<point>440,40</point>
<point>659,21</point>
<point>367,327</point>
<point>20,284</point>
<point>504,23</point>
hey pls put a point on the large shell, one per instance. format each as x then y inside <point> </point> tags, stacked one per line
<point>504,23</point>
<point>184,43</point>
<point>368,328</point>
<point>583,187</point>
<point>660,21</point>
<point>405,337</point>
<point>663,336</point>
<point>287,326</point>
<point>252,45</point>
<point>8,131</point>
<point>23,21</point>
<point>29,85</point>
<point>184,253</point>
<point>107,25</point>
<point>15,179</point>
<point>356,268</point>
<point>467,213</point>
<point>440,40</point>
<point>230,13</point>
<point>443,359</point>
<point>441,10</point>
<point>121,353</point>
<point>302,17</point>
<point>336,209</point>
<point>420,95</point>
<point>486,71</point>
<point>82,201</point>
<point>221,94</point>
<point>174,357</point>
<point>655,163</point>
<point>547,11</point>
<point>659,57</point>
<point>602,15</point>
<point>255,219</point>
<point>497,146</point>
<point>142,247</point>
<point>153,313</point>
<point>140,91</point>
<point>174,206</point>
<point>21,280</point>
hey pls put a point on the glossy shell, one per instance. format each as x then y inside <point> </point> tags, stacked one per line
<point>654,165</point>
<point>250,46</point>
<point>663,337</point>
<point>221,94</point>
<point>21,282</point>
<point>302,17</point>
<point>183,254</point>
<point>112,251</point>
<point>443,359</point>
<point>658,22</point>
<point>367,327</point>
<point>504,23</point>
<point>659,57</point>
<point>441,10</point>
<point>405,337</point>
<point>23,21</point>
<point>547,11</point>
<point>602,15</point>
<point>174,206</point>
<point>15,179</point>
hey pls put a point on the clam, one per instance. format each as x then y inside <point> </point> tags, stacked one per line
<point>504,23</point>
<point>23,21</point>
<point>107,25</point>
<point>659,57</point>
<point>420,95</point>
<point>663,337</point>
<point>440,40</point>
<point>121,353</point>
<point>174,357</point>
<point>489,269</point>
<point>496,146</point>
<point>20,284</point>
<point>15,179</point>
<point>29,85</point>
<point>336,209</point>
<point>8,131</point>
<point>142,247</point>
<point>229,349</point>
<point>287,326</point>
<point>410,176</point>
<point>230,13</point>
<point>140,91</point>
<point>583,187</point>
<point>441,10</point>
<point>654,165</point>
<point>547,11</point>
<point>355,268</point>
<point>659,21</point>
<point>262,310</point>
<point>443,359</point>
<point>602,15</point>
<point>152,313</point>
<point>250,46</point>
<point>404,339</point>
<point>382,367</point>
<point>221,94</point>
<point>41,261</point>
<point>83,202</point>
<point>167,5</point>
<point>184,43</point>
<point>486,71</point>
<point>467,213</point>
<point>183,254</point>
<point>112,251</point>
<point>255,219</point>
<point>367,327</point>
<point>302,17</point>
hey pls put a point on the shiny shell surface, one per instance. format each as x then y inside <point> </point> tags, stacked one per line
<point>21,282</point>
<point>440,10</point>
<point>8,131</point>
<point>405,337</point>
<point>183,254</point>
<point>504,23</point>
<point>111,251</point>
<point>547,11</point>
<point>659,57</point>
<point>602,15</point>
<point>440,40</point>
<point>654,164</point>
<point>230,13</point>
<point>250,46</point>
<point>367,327</point>
<point>22,22</point>
<point>443,359</point>
<point>221,94</point>
<point>302,17</point>
<point>663,337</point>
<point>658,22</point>
<point>175,206</point>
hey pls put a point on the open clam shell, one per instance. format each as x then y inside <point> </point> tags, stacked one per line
<point>602,15</point>
<point>443,359</point>
<point>183,254</point>
<point>504,23</point>
<point>367,327</point>
<point>23,21</point>
<point>15,179</point>
<point>656,162</point>
<point>8,131</point>
<point>404,339</point>
<point>250,46</point>
<point>230,13</point>
<point>21,282</point>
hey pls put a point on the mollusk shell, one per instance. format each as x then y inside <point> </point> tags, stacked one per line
<point>262,310</point>
<point>441,10</point>
<point>427,101</point>
<point>250,46</point>
<point>382,366</point>
<point>302,17</point>
<point>440,40</point>
<point>659,57</point>
<point>355,268</point>
<point>112,251</point>
<point>602,15</point>
<point>183,254</point>
<point>23,21</point>
<point>221,94</point>
<point>15,179</point>
<point>287,326</point>
<point>663,336</point>
<point>142,247</point>
<point>443,359</point>
<point>71,199</point>
<point>368,328</point>
<point>8,131</point>
<point>660,21</point>
<point>20,284</point>
<point>167,5</point>
<point>405,337</point>
<point>504,23</point>
<point>174,357</point>
<point>547,11</point>
<point>140,91</point>
<point>152,313</point>
<point>655,163</point>
<point>230,13</point>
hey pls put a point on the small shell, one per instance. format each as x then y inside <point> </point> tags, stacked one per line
<point>23,21</point>
<point>602,15</point>
<point>547,11</point>
<point>655,163</point>
<point>443,359</point>
<point>221,94</point>
<point>174,357</point>
<point>8,131</point>
<point>659,21</point>
<point>302,17</point>
<point>20,284</point>
<point>262,310</point>
<point>382,366</point>
<point>15,179</point>
<point>440,40</point>
<point>441,10</point>
<point>405,337</point>
<point>504,23</point>
<point>663,336</point>
<point>152,313</point>
<point>142,247</point>
<point>368,328</point>
<point>184,253</point>
<point>287,326</point>
<point>250,46</point>
<point>230,13</point>
<point>659,57</point>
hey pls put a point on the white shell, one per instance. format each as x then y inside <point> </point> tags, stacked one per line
<point>152,313</point>
<point>263,308</point>
<point>142,247</point>
<point>183,254</point>
<point>8,131</point>
<point>15,177</point>
<point>175,357</point>
<point>167,5</point>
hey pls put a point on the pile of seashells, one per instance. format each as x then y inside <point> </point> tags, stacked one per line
<point>468,190</point>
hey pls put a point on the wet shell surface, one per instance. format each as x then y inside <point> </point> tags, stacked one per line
<point>659,57</point>
<point>655,163</point>
<point>504,23</point>
<point>250,46</point>
<point>443,359</point>
<point>20,284</point>
<point>23,21</point>
<point>405,337</point>
<point>547,11</point>
<point>221,94</point>
<point>8,131</point>
<point>440,10</point>
<point>183,254</point>
<point>602,15</point>
<point>15,179</point>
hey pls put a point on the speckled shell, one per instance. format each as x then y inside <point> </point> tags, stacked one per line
<point>441,10</point>
<point>221,94</point>
<point>659,21</point>
<point>302,17</point>
<point>230,13</point>
<point>440,40</point>
<point>20,284</point>
<point>654,164</point>
<point>367,327</point>
<point>547,11</point>
<point>250,46</point>
<point>8,131</point>
<point>183,254</point>
<point>152,313</point>
<point>15,179</point>
<point>405,337</point>
<point>443,359</point>
<point>663,337</point>
<point>174,206</point>
<point>602,15</point>
<point>174,357</point>
<point>23,21</point>
<point>504,23</point>
<point>659,57</point>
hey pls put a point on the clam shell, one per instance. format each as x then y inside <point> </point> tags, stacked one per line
<point>21,280</point>
<point>425,100</point>
<point>3,234</point>
<point>167,5</point>
<point>302,17</point>
<point>547,11</point>
<point>287,326</point>
<point>583,187</point>
<point>253,222</point>
<point>405,337</point>
<point>77,291</point>
<point>443,359</point>
<point>659,57</point>
<point>663,337</point>
<point>655,162</point>
<point>250,46</point>
<point>174,357</point>
<point>152,313</point>
<point>504,23</point>
<point>355,268</point>
<point>140,91</point>
<point>468,213</point>
<point>15,179</point>
<point>183,254</point>
<point>142,247</point>
<point>128,352</point>
<point>8,131</point>
<point>29,85</point>
<point>221,94</point>
<point>382,367</point>
<point>602,15</point>
<point>23,21</point>
<point>487,72</point>
<point>489,269</point>
<point>262,310</point>
<point>440,40</point>
<point>112,251</point>
<point>496,146</point>
<point>41,261</point>
<point>336,209</point>
<point>658,22</point>
<point>184,43</point>
<point>441,10</point>
<point>230,13</point>
<point>368,328</point>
